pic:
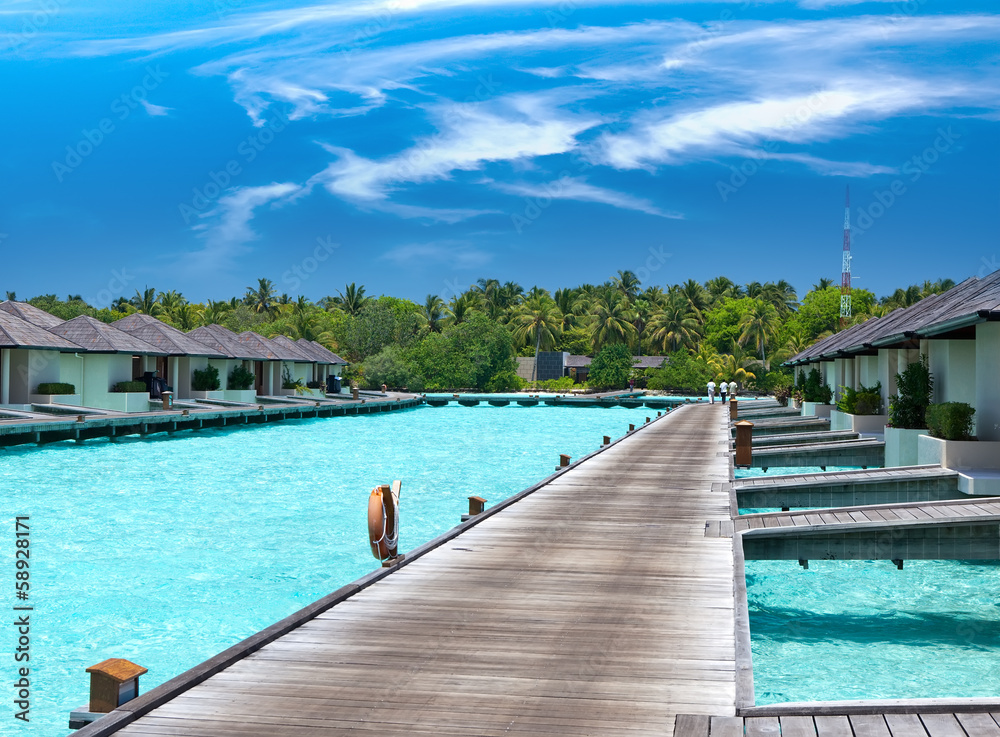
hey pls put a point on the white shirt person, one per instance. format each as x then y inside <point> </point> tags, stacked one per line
<point>711,392</point>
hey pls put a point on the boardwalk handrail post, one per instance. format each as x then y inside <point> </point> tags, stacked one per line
<point>607,440</point>
<point>744,444</point>
<point>732,409</point>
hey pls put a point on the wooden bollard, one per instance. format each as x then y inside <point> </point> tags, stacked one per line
<point>607,440</point>
<point>80,418</point>
<point>732,410</point>
<point>563,460</point>
<point>476,506</point>
<point>354,393</point>
<point>647,419</point>
<point>113,682</point>
<point>744,443</point>
<point>658,414</point>
<point>631,427</point>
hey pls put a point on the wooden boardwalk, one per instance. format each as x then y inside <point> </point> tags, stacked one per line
<point>594,605</point>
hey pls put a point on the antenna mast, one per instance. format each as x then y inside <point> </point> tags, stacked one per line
<point>845,278</point>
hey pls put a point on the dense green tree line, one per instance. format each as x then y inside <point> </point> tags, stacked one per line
<point>711,330</point>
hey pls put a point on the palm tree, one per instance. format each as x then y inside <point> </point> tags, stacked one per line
<point>754,290</point>
<point>640,313</point>
<point>675,326</point>
<point>186,316</point>
<point>734,367</point>
<point>537,318</point>
<point>261,299</point>
<point>145,302</point>
<point>822,284</point>
<point>433,312</point>
<point>352,299</point>
<point>214,312</point>
<point>697,297</point>
<point>758,326</point>
<point>12,296</point>
<point>610,321</point>
<point>171,301</point>
<point>627,283</point>
<point>571,306</point>
<point>654,295</point>
<point>121,304</point>
<point>459,308</point>
<point>303,323</point>
<point>719,289</point>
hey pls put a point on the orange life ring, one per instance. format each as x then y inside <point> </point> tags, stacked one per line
<point>383,520</point>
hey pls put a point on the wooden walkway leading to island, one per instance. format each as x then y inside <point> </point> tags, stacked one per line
<point>593,605</point>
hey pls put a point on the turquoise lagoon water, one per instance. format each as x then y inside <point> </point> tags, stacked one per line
<point>167,550</point>
<point>865,630</point>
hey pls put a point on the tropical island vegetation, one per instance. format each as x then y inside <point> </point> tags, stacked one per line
<point>714,330</point>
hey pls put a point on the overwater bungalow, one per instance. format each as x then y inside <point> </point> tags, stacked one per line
<point>183,354</point>
<point>959,333</point>
<point>237,352</point>
<point>31,356</point>
<point>104,362</point>
<point>328,365</point>
<point>268,368</point>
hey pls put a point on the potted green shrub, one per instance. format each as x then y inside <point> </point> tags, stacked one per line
<point>859,410</point>
<point>290,384</point>
<point>127,396</point>
<point>55,392</point>
<point>816,396</point>
<point>907,409</point>
<point>240,385</point>
<point>205,383</point>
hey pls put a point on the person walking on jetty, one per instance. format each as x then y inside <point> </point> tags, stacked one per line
<point>723,388</point>
<point>732,390</point>
<point>711,392</point>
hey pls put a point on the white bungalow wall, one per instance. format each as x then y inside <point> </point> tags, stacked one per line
<point>94,374</point>
<point>887,360</point>
<point>953,366</point>
<point>987,402</point>
<point>4,376</point>
<point>27,368</point>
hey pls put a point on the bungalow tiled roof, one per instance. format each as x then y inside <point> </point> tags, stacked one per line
<point>642,362</point>
<point>325,353</point>
<point>974,300</point>
<point>167,338</point>
<point>294,349</point>
<point>268,348</point>
<point>30,313</point>
<point>226,341</point>
<point>18,333</point>
<point>94,336</point>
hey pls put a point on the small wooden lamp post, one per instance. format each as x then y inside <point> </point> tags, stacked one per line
<point>732,409</point>
<point>112,683</point>
<point>744,443</point>
<point>476,506</point>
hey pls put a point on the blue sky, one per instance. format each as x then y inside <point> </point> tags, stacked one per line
<point>414,146</point>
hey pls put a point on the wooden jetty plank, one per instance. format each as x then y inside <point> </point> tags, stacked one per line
<point>942,725</point>
<point>762,727</point>
<point>869,725</point>
<point>727,727</point>
<point>833,726</point>
<point>576,610</point>
<point>797,726</point>
<point>978,725</point>
<point>905,725</point>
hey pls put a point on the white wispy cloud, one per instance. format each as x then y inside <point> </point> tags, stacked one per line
<point>226,227</point>
<point>457,254</point>
<point>577,188</point>
<point>154,111</point>
<point>471,135</point>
